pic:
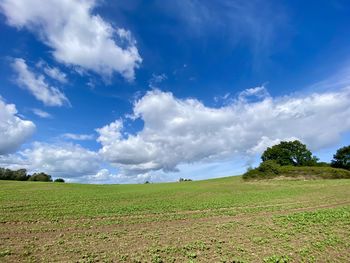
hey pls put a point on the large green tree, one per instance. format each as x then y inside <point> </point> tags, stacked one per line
<point>342,158</point>
<point>290,153</point>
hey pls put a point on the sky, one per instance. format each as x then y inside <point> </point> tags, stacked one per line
<point>133,91</point>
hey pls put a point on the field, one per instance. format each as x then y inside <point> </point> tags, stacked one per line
<point>221,220</point>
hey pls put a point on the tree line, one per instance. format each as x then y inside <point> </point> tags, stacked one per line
<point>21,175</point>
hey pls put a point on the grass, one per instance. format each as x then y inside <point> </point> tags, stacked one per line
<point>220,220</point>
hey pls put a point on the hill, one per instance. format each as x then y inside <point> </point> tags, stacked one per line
<point>270,170</point>
<point>216,220</point>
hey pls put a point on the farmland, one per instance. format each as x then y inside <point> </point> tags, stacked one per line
<point>219,220</point>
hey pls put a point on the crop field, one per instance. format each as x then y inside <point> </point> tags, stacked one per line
<point>220,220</point>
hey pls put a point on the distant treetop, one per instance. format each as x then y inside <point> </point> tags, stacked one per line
<point>21,175</point>
<point>341,159</point>
<point>59,180</point>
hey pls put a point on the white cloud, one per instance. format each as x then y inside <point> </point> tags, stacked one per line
<point>63,160</point>
<point>14,131</point>
<point>77,36</point>
<point>42,114</point>
<point>110,131</point>
<point>103,176</point>
<point>53,72</point>
<point>13,162</point>
<point>256,93</point>
<point>178,131</point>
<point>266,142</point>
<point>78,137</point>
<point>37,85</point>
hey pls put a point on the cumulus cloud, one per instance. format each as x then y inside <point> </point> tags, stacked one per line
<point>77,36</point>
<point>14,131</point>
<point>58,160</point>
<point>178,131</point>
<point>37,85</point>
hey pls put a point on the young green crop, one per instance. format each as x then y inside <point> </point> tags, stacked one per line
<point>223,219</point>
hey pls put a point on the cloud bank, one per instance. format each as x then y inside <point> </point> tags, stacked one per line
<point>59,160</point>
<point>178,131</point>
<point>77,36</point>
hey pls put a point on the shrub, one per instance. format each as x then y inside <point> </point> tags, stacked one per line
<point>59,180</point>
<point>304,172</point>
<point>252,174</point>
<point>323,164</point>
<point>269,167</point>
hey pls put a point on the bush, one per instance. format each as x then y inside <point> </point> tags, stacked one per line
<point>323,164</point>
<point>265,170</point>
<point>252,174</point>
<point>270,167</point>
<point>59,180</point>
<point>304,172</point>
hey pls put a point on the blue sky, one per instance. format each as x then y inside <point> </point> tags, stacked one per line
<point>128,91</point>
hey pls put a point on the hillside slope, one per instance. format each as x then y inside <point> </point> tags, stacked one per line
<point>270,170</point>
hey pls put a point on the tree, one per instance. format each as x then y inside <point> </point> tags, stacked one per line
<point>342,158</point>
<point>19,175</point>
<point>42,177</point>
<point>59,180</point>
<point>290,153</point>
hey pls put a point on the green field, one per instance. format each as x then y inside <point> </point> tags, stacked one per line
<point>220,220</point>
